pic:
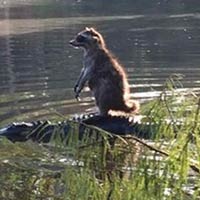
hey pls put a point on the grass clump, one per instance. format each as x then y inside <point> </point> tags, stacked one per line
<point>167,167</point>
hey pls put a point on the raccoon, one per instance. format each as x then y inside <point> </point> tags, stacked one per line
<point>106,78</point>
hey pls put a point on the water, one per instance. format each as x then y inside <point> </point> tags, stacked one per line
<point>38,68</point>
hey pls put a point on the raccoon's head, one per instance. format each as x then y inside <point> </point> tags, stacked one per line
<point>89,38</point>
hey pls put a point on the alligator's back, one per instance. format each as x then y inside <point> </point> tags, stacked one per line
<point>42,131</point>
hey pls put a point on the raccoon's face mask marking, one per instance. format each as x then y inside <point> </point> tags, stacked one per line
<point>87,38</point>
<point>79,41</point>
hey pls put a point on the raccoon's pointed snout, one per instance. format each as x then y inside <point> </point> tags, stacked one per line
<point>75,44</point>
<point>72,42</point>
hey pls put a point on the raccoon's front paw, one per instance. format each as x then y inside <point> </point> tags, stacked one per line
<point>75,88</point>
<point>77,97</point>
<point>77,91</point>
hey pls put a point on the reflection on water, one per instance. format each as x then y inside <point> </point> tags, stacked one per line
<point>38,69</point>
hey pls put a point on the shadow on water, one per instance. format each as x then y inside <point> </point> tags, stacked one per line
<point>38,69</point>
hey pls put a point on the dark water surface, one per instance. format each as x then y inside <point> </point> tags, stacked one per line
<point>38,69</point>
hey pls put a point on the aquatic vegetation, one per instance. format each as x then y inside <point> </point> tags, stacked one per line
<point>106,166</point>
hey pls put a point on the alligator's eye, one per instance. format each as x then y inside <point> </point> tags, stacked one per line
<point>80,38</point>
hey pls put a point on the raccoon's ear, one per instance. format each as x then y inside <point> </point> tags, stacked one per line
<point>93,31</point>
<point>96,39</point>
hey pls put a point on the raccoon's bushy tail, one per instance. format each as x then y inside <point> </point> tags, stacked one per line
<point>132,107</point>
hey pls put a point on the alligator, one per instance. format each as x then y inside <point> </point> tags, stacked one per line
<point>42,131</point>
